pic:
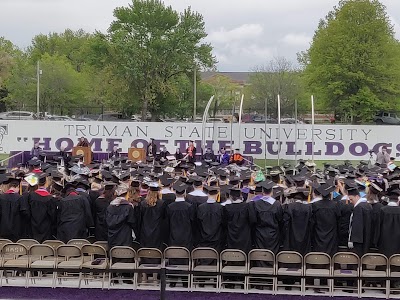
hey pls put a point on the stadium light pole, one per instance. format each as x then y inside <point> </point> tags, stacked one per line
<point>279,129</point>
<point>295,136</point>
<point>265,131</point>
<point>312,126</point>
<point>38,73</point>
<point>194,93</point>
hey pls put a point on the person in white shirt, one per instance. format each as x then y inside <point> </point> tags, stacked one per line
<point>383,157</point>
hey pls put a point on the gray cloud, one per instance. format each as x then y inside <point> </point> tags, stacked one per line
<point>244,33</point>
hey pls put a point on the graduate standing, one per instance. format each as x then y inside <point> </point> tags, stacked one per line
<point>297,219</point>
<point>210,221</point>
<point>11,211</point>
<point>360,223</point>
<point>237,218</point>
<point>121,221</point>
<point>152,217</point>
<point>100,206</point>
<point>325,218</point>
<point>266,216</point>
<point>74,216</point>
<point>42,211</point>
<point>389,239</point>
<point>180,216</point>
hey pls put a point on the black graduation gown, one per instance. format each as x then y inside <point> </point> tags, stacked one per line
<point>74,217</point>
<point>11,212</point>
<point>361,228</point>
<point>267,220</point>
<point>375,224</point>
<point>120,220</point>
<point>93,195</point>
<point>344,221</point>
<point>180,217</point>
<point>196,198</point>
<point>325,218</point>
<point>210,220</point>
<point>151,222</point>
<point>151,150</point>
<point>43,211</point>
<point>100,206</point>
<point>238,235</point>
<point>297,218</point>
<point>168,198</point>
<point>389,239</point>
<point>87,198</point>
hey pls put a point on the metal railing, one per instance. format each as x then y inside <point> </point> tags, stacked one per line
<point>10,157</point>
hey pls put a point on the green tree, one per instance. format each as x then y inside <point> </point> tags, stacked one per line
<point>353,64</point>
<point>151,45</point>
<point>278,77</point>
<point>9,54</point>
<point>225,92</point>
<point>60,85</point>
<point>73,45</point>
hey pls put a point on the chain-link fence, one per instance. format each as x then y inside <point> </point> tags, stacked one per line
<point>249,115</point>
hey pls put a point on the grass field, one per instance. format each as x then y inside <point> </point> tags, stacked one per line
<point>319,163</point>
<point>3,156</point>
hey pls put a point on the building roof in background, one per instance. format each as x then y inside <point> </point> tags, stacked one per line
<point>237,77</point>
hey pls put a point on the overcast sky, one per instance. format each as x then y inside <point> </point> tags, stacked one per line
<point>244,33</point>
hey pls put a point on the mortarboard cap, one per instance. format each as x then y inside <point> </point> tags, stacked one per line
<point>234,180</point>
<point>326,188</point>
<point>32,179</point>
<point>353,191</point>
<point>235,192</point>
<point>375,188</point>
<point>135,183</point>
<point>121,190</point>
<point>266,185</point>
<point>166,181</point>
<point>154,186</point>
<point>34,162</point>
<point>277,192</point>
<point>180,187</point>
<point>109,185</point>
<point>211,190</point>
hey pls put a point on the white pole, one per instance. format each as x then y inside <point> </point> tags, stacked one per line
<point>279,129</point>
<point>233,111</point>
<point>312,126</point>
<point>38,90</point>
<point>265,135</point>
<point>295,130</point>
<point>240,120</point>
<point>204,123</point>
<point>194,93</point>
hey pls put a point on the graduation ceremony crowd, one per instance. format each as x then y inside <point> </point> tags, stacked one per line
<point>209,203</point>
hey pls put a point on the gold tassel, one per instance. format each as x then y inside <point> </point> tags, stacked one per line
<point>219,197</point>
<point>20,188</point>
<point>309,196</point>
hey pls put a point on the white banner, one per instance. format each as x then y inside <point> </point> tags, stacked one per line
<point>330,141</point>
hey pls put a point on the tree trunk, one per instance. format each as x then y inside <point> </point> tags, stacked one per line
<point>144,108</point>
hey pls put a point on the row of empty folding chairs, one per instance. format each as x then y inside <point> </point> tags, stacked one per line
<point>203,268</point>
<point>31,258</point>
